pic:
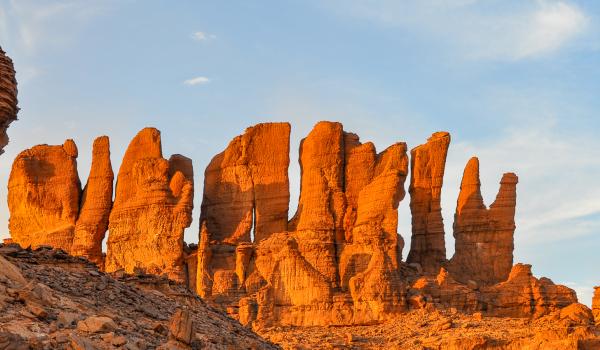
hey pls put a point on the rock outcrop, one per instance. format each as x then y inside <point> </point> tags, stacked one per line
<point>96,203</point>
<point>246,187</point>
<point>338,260</point>
<point>428,161</point>
<point>523,295</point>
<point>596,304</point>
<point>8,97</point>
<point>43,196</point>
<point>483,237</point>
<point>152,207</point>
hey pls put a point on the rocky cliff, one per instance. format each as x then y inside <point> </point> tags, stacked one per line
<point>8,97</point>
<point>153,205</point>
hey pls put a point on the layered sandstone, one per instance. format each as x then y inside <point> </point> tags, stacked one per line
<point>43,196</point>
<point>428,162</point>
<point>483,237</point>
<point>8,97</point>
<point>152,207</point>
<point>96,204</point>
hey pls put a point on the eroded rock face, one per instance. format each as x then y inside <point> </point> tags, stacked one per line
<point>484,241</point>
<point>337,262</point>
<point>245,187</point>
<point>152,207</point>
<point>8,97</point>
<point>523,295</point>
<point>96,204</point>
<point>428,162</point>
<point>43,196</point>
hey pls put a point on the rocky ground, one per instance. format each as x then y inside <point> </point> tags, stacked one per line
<point>50,300</point>
<point>449,331</point>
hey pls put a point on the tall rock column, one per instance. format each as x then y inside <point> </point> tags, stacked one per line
<point>428,162</point>
<point>153,205</point>
<point>43,196</point>
<point>245,187</point>
<point>96,203</point>
<point>8,97</point>
<point>484,238</point>
<point>318,222</point>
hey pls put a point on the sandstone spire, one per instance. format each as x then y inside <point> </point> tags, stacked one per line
<point>8,97</point>
<point>483,237</point>
<point>248,184</point>
<point>43,196</point>
<point>245,187</point>
<point>428,162</point>
<point>96,203</point>
<point>321,207</point>
<point>152,207</point>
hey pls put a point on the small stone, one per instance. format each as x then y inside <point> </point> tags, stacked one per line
<point>96,324</point>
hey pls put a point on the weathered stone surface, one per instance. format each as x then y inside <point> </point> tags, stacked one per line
<point>8,97</point>
<point>245,187</point>
<point>428,162</point>
<point>249,182</point>
<point>346,219</point>
<point>596,304</point>
<point>152,207</point>
<point>523,295</point>
<point>318,222</point>
<point>181,325</point>
<point>368,265</point>
<point>43,196</point>
<point>483,237</point>
<point>96,203</point>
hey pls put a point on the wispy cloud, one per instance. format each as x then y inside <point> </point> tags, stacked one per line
<point>509,31</point>
<point>29,25</point>
<point>197,81</point>
<point>202,36</point>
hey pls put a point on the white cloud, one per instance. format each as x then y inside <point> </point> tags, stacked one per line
<point>202,36</point>
<point>514,31</point>
<point>197,81</point>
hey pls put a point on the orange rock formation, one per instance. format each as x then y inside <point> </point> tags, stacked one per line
<point>596,304</point>
<point>96,204</point>
<point>152,207</point>
<point>43,196</point>
<point>338,261</point>
<point>8,97</point>
<point>428,162</point>
<point>484,237</point>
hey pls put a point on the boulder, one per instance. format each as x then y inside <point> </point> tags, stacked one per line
<point>484,238</point>
<point>96,203</point>
<point>43,196</point>
<point>428,162</point>
<point>153,205</point>
<point>8,97</point>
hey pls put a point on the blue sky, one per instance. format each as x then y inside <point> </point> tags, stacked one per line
<point>515,83</point>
